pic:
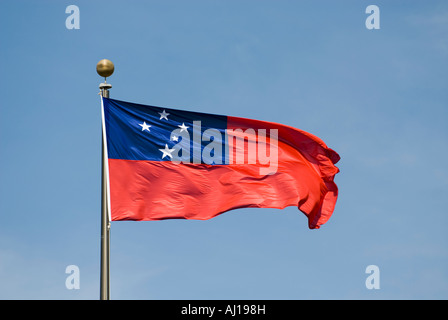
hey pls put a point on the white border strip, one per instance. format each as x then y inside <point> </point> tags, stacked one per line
<point>106,159</point>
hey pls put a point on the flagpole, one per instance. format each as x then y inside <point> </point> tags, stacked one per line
<point>105,233</point>
<point>104,68</point>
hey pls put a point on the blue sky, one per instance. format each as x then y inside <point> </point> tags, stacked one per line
<point>377,97</point>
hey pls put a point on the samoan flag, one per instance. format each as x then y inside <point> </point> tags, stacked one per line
<point>165,163</point>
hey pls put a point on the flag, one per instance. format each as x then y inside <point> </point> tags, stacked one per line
<point>165,163</point>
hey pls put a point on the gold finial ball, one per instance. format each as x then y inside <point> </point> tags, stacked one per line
<point>105,68</point>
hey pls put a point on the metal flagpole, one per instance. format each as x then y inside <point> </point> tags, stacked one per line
<point>105,232</point>
<point>104,68</point>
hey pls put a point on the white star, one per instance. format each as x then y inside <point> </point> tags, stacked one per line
<point>164,115</point>
<point>167,152</point>
<point>175,138</point>
<point>144,126</point>
<point>183,127</point>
